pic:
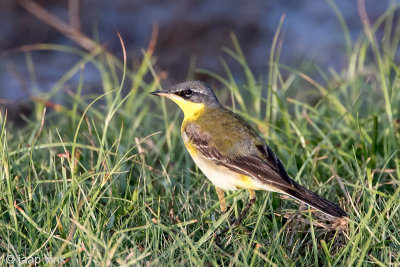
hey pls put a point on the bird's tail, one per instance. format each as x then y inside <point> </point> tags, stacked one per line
<point>304,195</point>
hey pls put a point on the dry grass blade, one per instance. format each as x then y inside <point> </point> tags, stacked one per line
<point>66,29</point>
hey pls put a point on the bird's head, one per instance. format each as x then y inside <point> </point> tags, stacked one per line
<point>191,97</point>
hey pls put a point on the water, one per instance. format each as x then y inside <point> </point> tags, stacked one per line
<point>186,28</point>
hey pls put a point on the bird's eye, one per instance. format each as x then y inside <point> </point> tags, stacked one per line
<point>188,92</point>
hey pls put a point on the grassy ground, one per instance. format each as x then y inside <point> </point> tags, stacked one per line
<point>105,179</point>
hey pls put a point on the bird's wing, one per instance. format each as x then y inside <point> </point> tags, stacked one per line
<point>259,162</point>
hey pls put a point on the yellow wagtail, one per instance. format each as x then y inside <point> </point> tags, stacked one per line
<point>230,152</point>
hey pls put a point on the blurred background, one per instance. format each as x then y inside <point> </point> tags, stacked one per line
<point>188,34</point>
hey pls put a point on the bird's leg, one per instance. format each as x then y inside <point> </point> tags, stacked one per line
<point>239,219</point>
<point>221,197</point>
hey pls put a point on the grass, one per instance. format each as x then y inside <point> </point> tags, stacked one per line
<point>105,179</point>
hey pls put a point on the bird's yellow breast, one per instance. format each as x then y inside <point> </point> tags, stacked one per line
<point>191,149</point>
<point>190,109</point>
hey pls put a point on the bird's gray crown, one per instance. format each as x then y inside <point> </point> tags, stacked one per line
<point>195,91</point>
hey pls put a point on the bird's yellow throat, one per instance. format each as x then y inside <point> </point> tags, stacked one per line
<point>190,109</point>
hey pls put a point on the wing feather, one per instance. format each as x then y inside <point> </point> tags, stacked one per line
<point>260,163</point>
<point>263,166</point>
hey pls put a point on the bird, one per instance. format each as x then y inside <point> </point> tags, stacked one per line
<point>231,154</point>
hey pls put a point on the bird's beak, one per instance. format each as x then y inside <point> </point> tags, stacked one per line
<point>160,93</point>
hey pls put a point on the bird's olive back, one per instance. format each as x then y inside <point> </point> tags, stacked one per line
<point>195,91</point>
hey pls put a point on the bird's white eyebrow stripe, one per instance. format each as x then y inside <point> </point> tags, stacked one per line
<point>197,91</point>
